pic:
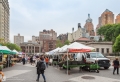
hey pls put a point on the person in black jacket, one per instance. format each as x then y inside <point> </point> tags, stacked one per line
<point>23,60</point>
<point>39,71</point>
<point>116,65</point>
<point>31,60</point>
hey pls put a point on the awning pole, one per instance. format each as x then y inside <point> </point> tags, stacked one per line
<point>67,61</point>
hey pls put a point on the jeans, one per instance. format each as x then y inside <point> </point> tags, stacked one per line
<point>47,65</point>
<point>42,76</point>
<point>116,68</point>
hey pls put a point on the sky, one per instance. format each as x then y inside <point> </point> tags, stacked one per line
<point>29,17</point>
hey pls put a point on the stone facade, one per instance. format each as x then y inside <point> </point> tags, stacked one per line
<point>30,48</point>
<point>4,20</point>
<point>89,26</point>
<point>103,47</point>
<point>80,32</point>
<point>18,39</point>
<point>36,39</point>
<point>117,20</point>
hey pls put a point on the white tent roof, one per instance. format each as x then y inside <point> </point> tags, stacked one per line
<point>63,48</point>
<point>1,48</point>
<point>15,51</point>
<point>6,48</point>
<point>56,49</point>
<point>77,45</point>
<point>53,51</point>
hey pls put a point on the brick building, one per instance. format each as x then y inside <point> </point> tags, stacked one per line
<point>89,26</point>
<point>48,40</point>
<point>63,37</point>
<point>117,20</point>
<point>107,17</point>
<point>48,45</point>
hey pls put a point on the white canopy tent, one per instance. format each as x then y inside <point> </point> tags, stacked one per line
<point>56,50</point>
<point>15,51</point>
<point>53,51</point>
<point>76,48</point>
<point>62,48</point>
<point>6,48</point>
<point>77,45</point>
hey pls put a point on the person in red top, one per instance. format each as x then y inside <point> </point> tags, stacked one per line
<point>47,61</point>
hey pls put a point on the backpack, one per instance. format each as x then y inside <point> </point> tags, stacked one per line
<point>42,66</point>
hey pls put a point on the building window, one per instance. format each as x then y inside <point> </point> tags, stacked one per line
<point>107,50</point>
<point>102,50</point>
<point>97,49</point>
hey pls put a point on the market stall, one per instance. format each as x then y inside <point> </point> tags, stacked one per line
<point>77,48</point>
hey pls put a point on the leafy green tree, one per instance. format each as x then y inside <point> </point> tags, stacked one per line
<point>110,31</point>
<point>59,43</point>
<point>11,46</point>
<point>2,40</point>
<point>67,42</point>
<point>116,46</point>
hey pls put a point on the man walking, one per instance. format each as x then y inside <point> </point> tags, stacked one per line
<point>23,60</point>
<point>40,69</point>
<point>116,66</point>
<point>31,60</point>
<point>47,61</point>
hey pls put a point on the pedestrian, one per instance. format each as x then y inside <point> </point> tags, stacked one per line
<point>23,60</point>
<point>37,60</point>
<point>31,60</point>
<point>116,66</point>
<point>2,74</point>
<point>40,69</point>
<point>47,61</point>
<point>26,59</point>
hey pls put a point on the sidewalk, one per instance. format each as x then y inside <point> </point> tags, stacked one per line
<point>27,73</point>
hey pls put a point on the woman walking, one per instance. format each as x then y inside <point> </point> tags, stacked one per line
<point>40,69</point>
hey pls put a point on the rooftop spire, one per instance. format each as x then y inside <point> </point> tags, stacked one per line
<point>88,15</point>
<point>89,19</point>
<point>107,10</point>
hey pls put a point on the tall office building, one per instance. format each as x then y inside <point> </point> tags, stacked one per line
<point>4,20</point>
<point>18,39</point>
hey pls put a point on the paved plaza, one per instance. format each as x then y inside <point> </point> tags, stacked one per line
<point>27,73</point>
